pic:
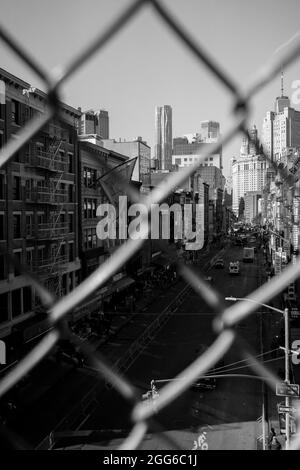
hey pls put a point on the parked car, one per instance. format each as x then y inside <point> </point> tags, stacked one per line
<point>219,264</point>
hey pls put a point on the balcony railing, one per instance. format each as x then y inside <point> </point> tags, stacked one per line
<point>46,195</point>
<point>52,230</point>
<point>44,160</point>
<point>50,266</point>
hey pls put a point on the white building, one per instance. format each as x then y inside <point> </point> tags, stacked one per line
<point>248,175</point>
<point>281,129</point>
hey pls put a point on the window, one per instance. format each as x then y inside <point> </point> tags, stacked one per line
<point>17,225</point>
<point>89,208</point>
<point>41,254</point>
<point>70,162</point>
<point>27,299</point>
<point>41,218</point>
<point>63,250</point>
<point>1,186</point>
<point>62,218</point>
<point>85,209</point>
<point>29,225</point>
<point>29,258</point>
<point>71,251</point>
<point>18,260</point>
<point>4,307</point>
<point>16,303</point>
<point>2,237</point>
<point>2,267</point>
<point>15,111</point>
<point>94,208</point>
<point>70,190</point>
<point>2,112</point>
<point>1,139</point>
<point>71,222</point>
<point>16,188</point>
<point>94,238</point>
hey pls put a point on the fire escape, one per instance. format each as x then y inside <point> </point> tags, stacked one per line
<point>52,226</point>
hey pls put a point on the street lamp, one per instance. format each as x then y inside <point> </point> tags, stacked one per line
<point>284,312</point>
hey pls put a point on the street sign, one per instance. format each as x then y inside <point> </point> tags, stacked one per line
<point>286,409</point>
<point>287,390</point>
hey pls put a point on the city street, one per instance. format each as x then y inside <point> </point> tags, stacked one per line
<point>188,332</point>
<point>227,414</point>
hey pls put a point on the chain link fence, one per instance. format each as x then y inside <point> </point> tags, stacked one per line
<point>227,317</point>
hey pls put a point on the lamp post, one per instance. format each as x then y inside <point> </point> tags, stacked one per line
<point>285,313</point>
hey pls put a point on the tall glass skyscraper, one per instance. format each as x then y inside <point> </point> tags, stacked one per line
<point>163,137</point>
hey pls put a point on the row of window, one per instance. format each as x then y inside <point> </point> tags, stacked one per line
<point>33,222</point>
<point>89,238</point>
<point>42,256</point>
<point>32,185</point>
<point>89,208</point>
<point>20,301</point>
<point>89,176</point>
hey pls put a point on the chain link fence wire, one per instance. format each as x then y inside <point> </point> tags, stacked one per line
<point>227,318</point>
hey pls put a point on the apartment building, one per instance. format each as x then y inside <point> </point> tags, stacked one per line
<point>38,209</point>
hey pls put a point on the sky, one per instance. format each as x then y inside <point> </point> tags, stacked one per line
<point>145,65</point>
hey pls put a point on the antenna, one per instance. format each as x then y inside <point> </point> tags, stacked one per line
<point>281,83</point>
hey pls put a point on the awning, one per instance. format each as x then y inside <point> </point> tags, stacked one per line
<point>122,284</point>
<point>149,269</point>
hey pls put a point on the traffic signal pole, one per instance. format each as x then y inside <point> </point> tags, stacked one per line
<point>287,373</point>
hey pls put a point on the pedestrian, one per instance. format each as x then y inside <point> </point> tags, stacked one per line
<point>275,444</point>
<point>270,437</point>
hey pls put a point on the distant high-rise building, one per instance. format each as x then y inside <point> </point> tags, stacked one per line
<point>249,174</point>
<point>103,122</point>
<point>209,130</point>
<point>95,122</point>
<point>281,128</point>
<point>250,146</point>
<point>163,137</point>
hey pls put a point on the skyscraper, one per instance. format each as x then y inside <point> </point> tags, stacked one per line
<point>210,131</point>
<point>163,137</point>
<point>250,147</point>
<point>95,122</point>
<point>281,128</point>
<point>249,171</point>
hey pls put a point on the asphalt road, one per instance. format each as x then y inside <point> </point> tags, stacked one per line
<point>54,389</point>
<point>233,406</point>
<point>187,332</point>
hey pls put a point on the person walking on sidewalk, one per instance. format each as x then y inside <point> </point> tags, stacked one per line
<point>273,442</point>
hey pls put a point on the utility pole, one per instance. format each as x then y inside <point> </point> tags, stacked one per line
<point>287,373</point>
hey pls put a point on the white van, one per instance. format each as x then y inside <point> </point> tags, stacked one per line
<point>234,267</point>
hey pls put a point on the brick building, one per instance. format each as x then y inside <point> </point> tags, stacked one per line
<point>38,208</point>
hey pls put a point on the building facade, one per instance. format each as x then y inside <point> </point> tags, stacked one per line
<point>163,137</point>
<point>189,153</point>
<point>38,209</point>
<point>209,131</point>
<point>252,205</point>
<point>281,129</point>
<point>248,175</point>
<point>95,122</point>
<point>137,148</point>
